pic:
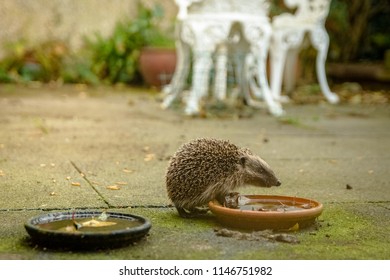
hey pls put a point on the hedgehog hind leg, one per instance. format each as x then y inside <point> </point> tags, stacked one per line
<point>190,213</point>
<point>183,212</point>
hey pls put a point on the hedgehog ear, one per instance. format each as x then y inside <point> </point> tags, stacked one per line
<point>243,161</point>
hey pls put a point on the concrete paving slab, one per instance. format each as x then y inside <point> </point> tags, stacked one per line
<point>43,186</point>
<point>51,137</point>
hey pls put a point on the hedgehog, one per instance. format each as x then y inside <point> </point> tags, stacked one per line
<point>205,169</point>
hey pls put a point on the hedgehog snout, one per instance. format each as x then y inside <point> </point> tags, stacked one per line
<point>276,183</point>
<point>272,181</point>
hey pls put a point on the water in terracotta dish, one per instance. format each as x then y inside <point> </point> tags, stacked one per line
<point>242,202</point>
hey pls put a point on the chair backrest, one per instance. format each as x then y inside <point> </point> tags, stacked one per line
<point>183,6</point>
<point>310,11</point>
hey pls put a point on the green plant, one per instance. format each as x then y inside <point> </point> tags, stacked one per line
<point>160,40</point>
<point>39,63</point>
<point>115,59</point>
<point>78,69</point>
<point>154,35</point>
<point>111,60</point>
<point>365,22</point>
<point>48,61</point>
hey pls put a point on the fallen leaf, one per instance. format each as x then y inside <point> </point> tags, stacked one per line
<point>53,194</point>
<point>76,184</point>
<point>149,157</point>
<point>71,228</point>
<point>146,149</point>
<point>113,187</point>
<point>307,206</point>
<point>294,227</point>
<point>95,223</point>
<point>127,170</point>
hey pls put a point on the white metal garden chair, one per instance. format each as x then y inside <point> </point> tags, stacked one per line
<point>288,33</point>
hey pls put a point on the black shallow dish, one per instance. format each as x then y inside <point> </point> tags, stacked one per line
<point>85,240</point>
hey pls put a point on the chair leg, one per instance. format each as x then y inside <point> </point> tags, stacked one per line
<point>290,72</point>
<point>200,80</point>
<point>246,79</point>
<point>278,60</point>
<point>274,106</point>
<point>245,71</point>
<point>259,38</point>
<point>176,86</point>
<point>320,41</point>
<point>221,73</point>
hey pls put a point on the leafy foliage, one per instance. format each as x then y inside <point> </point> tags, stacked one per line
<point>115,59</point>
<point>111,60</point>
<point>41,63</point>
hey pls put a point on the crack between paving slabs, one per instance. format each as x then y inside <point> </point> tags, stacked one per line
<point>87,208</point>
<point>51,209</point>
<point>82,174</point>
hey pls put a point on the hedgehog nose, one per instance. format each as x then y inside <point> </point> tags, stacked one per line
<point>278,183</point>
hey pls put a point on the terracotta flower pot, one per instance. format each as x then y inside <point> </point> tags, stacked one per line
<point>157,65</point>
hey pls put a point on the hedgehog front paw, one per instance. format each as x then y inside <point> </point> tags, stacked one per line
<point>190,213</point>
<point>200,210</point>
<point>184,213</point>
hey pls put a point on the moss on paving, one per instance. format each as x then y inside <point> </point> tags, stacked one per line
<point>343,234</point>
<point>343,231</point>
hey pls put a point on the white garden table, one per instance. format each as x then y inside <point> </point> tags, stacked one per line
<point>208,31</point>
<point>206,28</point>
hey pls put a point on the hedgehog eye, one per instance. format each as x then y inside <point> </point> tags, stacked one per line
<point>242,161</point>
<point>261,169</point>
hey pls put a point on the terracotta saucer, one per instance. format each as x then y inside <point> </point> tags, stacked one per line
<point>305,214</point>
